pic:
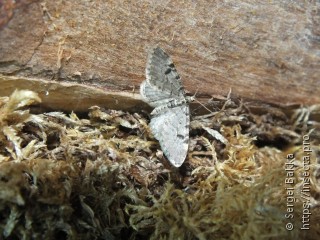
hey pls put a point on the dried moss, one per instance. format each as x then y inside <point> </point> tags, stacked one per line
<point>104,177</point>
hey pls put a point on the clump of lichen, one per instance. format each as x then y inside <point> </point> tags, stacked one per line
<point>104,176</point>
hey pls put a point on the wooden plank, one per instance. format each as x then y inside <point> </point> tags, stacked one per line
<point>264,51</point>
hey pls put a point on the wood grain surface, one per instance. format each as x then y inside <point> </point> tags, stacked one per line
<point>266,51</point>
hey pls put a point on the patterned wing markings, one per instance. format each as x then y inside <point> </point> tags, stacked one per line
<point>162,74</point>
<point>153,95</point>
<point>170,119</point>
<point>171,128</point>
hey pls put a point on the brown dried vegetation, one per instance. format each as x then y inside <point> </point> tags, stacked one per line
<point>104,176</point>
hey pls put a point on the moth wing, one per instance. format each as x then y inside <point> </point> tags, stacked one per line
<point>171,129</point>
<point>153,95</point>
<point>162,74</point>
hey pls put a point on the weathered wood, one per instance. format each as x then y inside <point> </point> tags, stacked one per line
<point>72,96</point>
<point>265,51</point>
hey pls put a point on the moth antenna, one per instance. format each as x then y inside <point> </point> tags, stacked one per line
<point>228,99</point>
<point>203,105</point>
<point>229,93</point>
<point>195,99</point>
<point>194,96</point>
